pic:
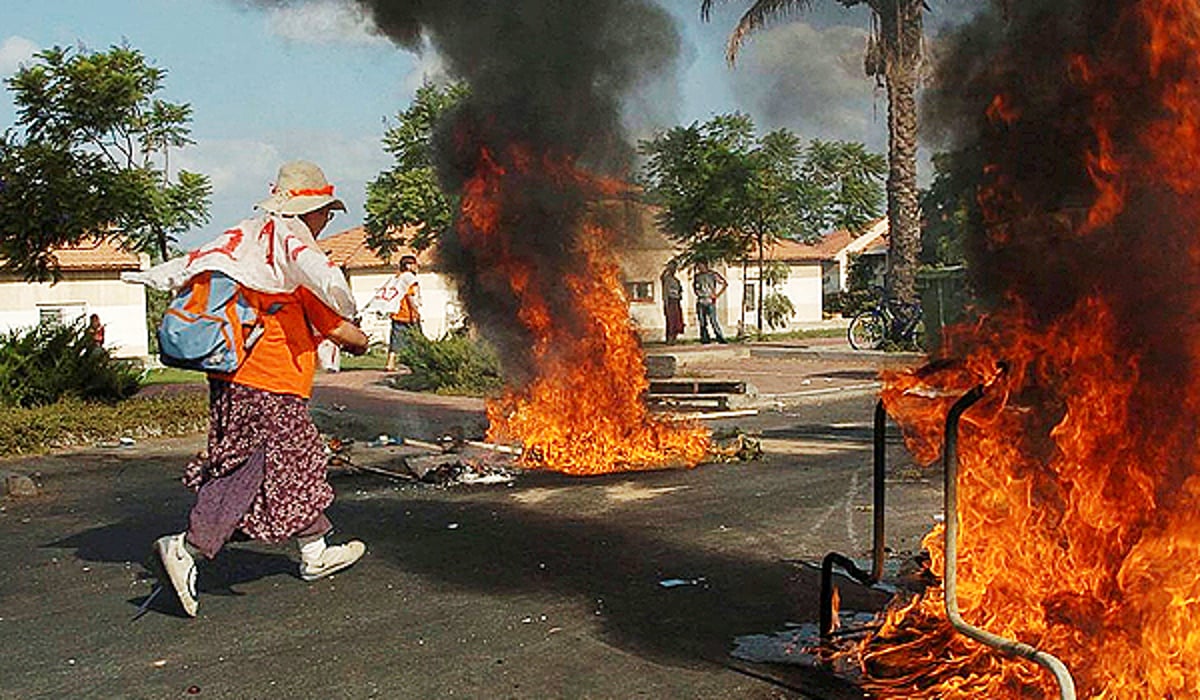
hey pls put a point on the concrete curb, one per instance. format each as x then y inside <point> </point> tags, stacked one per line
<point>797,398</point>
<point>703,353</point>
<point>687,354</point>
<point>838,354</point>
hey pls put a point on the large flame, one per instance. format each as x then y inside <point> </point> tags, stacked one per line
<point>1080,470</point>
<point>583,411</point>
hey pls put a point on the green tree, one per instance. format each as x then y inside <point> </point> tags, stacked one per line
<point>894,58</point>
<point>410,193</point>
<point>777,307</point>
<point>88,156</point>
<point>950,206</point>
<point>725,194</point>
<point>842,182</point>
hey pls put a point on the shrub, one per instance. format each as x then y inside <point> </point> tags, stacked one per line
<point>51,361</point>
<point>455,364</point>
<point>777,310</point>
<point>71,422</point>
<point>850,303</point>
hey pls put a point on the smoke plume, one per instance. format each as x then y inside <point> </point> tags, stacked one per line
<point>550,77</point>
<point>1048,99</point>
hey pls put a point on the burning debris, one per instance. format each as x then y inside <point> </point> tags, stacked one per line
<point>454,459</point>
<point>449,462</point>
<point>1079,481</point>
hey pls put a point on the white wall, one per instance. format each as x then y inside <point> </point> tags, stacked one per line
<point>803,287</point>
<point>120,306</point>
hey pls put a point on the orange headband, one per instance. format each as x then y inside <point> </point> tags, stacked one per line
<point>326,190</point>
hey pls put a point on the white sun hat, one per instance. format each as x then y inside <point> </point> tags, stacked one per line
<point>299,188</point>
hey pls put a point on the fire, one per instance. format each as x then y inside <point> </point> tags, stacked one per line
<point>1001,109</point>
<point>1079,475</point>
<point>583,411</point>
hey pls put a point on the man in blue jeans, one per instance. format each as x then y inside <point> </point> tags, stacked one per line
<point>708,285</point>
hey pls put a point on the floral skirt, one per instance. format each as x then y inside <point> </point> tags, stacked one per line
<point>294,490</point>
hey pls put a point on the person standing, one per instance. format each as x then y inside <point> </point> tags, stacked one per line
<point>672,302</point>
<point>95,331</point>
<point>400,299</point>
<point>708,285</point>
<point>264,471</point>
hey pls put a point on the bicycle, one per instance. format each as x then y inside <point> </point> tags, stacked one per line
<point>889,320</point>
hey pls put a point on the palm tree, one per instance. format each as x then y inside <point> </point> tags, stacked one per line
<point>893,56</point>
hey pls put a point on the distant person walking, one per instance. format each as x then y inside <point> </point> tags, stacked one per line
<point>672,302</point>
<point>708,285</point>
<point>400,299</point>
<point>264,471</point>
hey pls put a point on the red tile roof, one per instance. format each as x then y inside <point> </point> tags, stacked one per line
<point>348,249</point>
<point>826,248</point>
<point>96,255</point>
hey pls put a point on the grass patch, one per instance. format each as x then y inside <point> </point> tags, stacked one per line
<point>833,332</point>
<point>375,358</point>
<point>808,333</point>
<point>173,375</point>
<point>73,423</point>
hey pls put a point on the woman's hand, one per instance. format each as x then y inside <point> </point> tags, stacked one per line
<point>350,338</point>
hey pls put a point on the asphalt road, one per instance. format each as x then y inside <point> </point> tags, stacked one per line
<point>546,588</point>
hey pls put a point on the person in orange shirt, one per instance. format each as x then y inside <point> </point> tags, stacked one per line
<point>400,299</point>
<point>264,472</point>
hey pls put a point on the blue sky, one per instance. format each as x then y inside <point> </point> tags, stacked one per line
<point>309,79</point>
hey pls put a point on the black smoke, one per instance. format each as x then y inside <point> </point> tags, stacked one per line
<point>1053,64</point>
<point>550,76</point>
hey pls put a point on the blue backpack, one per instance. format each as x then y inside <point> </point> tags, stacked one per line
<point>209,326</point>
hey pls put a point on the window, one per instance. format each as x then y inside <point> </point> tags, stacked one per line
<point>639,291</point>
<point>60,313</point>
<point>750,297</point>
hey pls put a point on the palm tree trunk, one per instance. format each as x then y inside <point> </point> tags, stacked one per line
<point>900,33</point>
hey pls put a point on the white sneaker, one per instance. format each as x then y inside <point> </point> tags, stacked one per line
<point>178,571</point>
<point>333,559</point>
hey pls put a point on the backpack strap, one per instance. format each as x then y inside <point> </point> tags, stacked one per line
<point>257,329</point>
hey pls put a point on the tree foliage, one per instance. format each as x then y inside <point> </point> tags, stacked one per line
<point>410,193</point>
<point>843,181</point>
<point>88,156</point>
<point>725,193</point>
<point>951,209</point>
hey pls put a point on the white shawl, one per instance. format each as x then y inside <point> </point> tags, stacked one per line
<point>268,253</point>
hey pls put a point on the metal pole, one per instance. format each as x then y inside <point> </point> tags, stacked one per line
<point>1062,676</point>
<point>880,467</point>
<point>825,614</point>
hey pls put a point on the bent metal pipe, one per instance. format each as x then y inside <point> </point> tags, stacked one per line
<point>1062,676</point>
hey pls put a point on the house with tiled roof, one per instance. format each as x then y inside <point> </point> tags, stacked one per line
<point>835,251</point>
<point>367,272</point>
<point>89,283</point>
<point>815,270</point>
